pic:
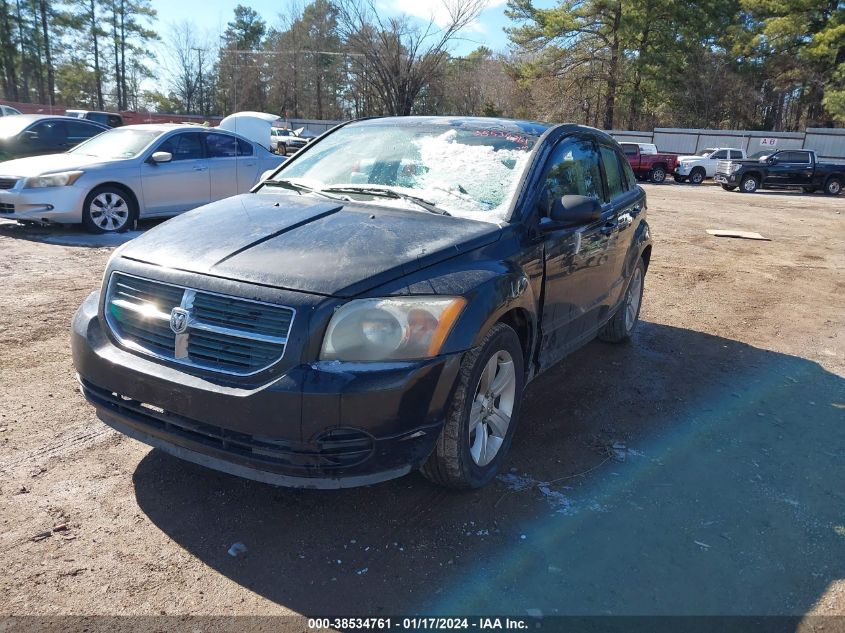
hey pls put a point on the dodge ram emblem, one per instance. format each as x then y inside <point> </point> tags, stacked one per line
<point>179,320</point>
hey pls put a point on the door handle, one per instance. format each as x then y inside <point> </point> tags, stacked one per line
<point>199,168</point>
<point>609,228</point>
<point>250,164</point>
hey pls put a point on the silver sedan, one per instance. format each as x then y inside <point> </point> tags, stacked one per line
<point>137,171</point>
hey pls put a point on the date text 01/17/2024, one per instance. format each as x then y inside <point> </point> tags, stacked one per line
<point>420,623</point>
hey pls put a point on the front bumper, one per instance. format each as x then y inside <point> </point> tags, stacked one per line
<point>725,179</point>
<point>319,425</point>
<point>50,204</point>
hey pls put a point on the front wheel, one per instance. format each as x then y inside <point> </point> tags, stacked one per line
<point>108,209</point>
<point>697,176</point>
<point>833,187</point>
<point>749,184</point>
<point>622,324</point>
<point>657,175</point>
<point>482,415</point>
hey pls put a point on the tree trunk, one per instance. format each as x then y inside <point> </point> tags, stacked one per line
<point>116,46</point>
<point>10,75</point>
<point>123,91</point>
<point>48,57</point>
<point>98,79</point>
<point>613,69</point>
<point>24,74</point>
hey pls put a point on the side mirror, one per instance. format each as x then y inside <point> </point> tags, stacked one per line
<point>30,135</point>
<point>772,160</point>
<point>161,157</point>
<point>573,211</point>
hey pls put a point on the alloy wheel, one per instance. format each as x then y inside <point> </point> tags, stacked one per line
<point>632,299</point>
<point>492,408</point>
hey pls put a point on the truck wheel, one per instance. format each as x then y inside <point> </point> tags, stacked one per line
<point>728,187</point>
<point>657,174</point>
<point>697,176</point>
<point>622,324</point>
<point>482,415</point>
<point>282,149</point>
<point>749,184</point>
<point>680,179</point>
<point>808,189</point>
<point>833,186</point>
<point>108,209</point>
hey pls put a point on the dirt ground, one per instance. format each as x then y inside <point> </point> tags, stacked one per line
<point>698,470</point>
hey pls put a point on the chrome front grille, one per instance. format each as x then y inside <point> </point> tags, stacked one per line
<point>7,207</point>
<point>723,166</point>
<point>7,183</point>
<point>194,327</point>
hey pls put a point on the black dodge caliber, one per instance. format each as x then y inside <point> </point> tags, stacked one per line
<point>374,306</point>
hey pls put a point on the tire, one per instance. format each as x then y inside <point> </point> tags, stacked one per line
<point>624,321</point>
<point>282,149</point>
<point>122,209</point>
<point>681,179</point>
<point>697,176</point>
<point>459,459</point>
<point>808,189</point>
<point>728,187</point>
<point>657,174</point>
<point>749,184</point>
<point>833,186</point>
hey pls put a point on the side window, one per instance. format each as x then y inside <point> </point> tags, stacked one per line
<point>736,154</point>
<point>574,170</point>
<point>244,148</point>
<point>114,121</point>
<point>221,146</point>
<point>630,150</point>
<point>50,132</point>
<point>793,157</point>
<point>78,131</point>
<point>185,146</point>
<point>722,154</point>
<point>615,181</point>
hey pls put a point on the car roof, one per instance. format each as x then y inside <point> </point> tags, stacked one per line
<point>187,127</point>
<point>533,128</point>
<point>31,118</point>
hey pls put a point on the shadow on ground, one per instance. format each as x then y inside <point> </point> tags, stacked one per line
<point>730,500</point>
<point>71,235</point>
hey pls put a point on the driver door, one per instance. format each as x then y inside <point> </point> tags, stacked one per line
<point>183,183</point>
<point>577,276</point>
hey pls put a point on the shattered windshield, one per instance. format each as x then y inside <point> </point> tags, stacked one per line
<point>468,171</point>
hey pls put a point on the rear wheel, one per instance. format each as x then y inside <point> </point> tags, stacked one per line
<point>833,186</point>
<point>108,209</point>
<point>697,175</point>
<point>749,184</point>
<point>657,174</point>
<point>622,324</point>
<point>482,415</point>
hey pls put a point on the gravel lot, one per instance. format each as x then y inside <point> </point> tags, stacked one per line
<point>724,494</point>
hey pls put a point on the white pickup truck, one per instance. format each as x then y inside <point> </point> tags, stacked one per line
<point>702,165</point>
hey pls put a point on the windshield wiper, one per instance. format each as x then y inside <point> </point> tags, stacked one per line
<point>389,192</point>
<point>297,187</point>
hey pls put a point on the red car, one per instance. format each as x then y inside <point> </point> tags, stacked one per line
<point>647,162</point>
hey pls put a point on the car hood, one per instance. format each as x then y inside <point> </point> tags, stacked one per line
<point>690,158</point>
<point>306,243</point>
<point>48,163</point>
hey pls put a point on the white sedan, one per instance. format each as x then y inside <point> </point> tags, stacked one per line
<point>136,171</point>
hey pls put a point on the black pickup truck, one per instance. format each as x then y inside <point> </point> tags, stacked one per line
<point>781,169</point>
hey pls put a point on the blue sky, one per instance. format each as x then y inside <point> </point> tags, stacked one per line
<point>211,16</point>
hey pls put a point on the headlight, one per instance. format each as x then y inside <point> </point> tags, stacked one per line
<point>395,328</point>
<point>52,180</point>
<point>735,168</point>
